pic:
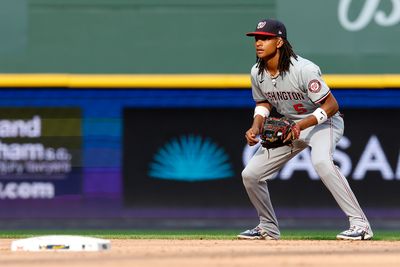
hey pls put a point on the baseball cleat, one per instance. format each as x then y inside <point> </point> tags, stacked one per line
<point>354,233</point>
<point>255,234</point>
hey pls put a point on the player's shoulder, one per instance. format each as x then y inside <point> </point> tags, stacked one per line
<point>302,65</point>
<point>254,70</point>
<point>302,62</point>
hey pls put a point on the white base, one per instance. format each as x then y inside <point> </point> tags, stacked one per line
<point>60,243</point>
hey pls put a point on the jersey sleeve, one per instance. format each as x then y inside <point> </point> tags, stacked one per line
<point>256,91</point>
<point>311,77</point>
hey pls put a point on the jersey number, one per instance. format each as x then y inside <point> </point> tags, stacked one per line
<point>299,108</point>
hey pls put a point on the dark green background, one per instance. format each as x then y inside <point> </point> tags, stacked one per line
<point>183,36</point>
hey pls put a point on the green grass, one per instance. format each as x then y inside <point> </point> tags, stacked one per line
<point>188,234</point>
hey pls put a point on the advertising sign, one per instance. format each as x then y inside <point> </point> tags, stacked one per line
<point>184,157</point>
<point>194,157</point>
<point>40,152</point>
<point>345,36</point>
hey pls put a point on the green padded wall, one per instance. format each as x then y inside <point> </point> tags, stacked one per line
<point>148,36</point>
<point>191,36</point>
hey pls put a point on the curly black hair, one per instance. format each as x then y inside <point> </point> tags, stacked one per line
<point>286,53</point>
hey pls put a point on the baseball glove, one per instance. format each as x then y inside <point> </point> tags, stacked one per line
<point>275,131</point>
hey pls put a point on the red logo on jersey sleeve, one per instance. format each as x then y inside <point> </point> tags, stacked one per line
<point>314,86</point>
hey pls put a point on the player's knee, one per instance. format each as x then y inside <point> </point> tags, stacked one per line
<point>249,178</point>
<point>322,167</point>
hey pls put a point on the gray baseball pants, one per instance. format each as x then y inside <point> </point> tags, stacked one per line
<point>266,162</point>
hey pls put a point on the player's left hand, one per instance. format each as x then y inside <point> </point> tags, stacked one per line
<point>293,134</point>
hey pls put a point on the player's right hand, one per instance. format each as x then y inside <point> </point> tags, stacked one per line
<point>251,136</point>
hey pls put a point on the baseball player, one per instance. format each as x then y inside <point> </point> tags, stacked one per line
<point>294,86</point>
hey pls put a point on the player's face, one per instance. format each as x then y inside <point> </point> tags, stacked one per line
<point>266,46</point>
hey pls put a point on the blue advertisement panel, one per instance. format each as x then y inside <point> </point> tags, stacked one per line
<point>185,158</point>
<point>40,152</point>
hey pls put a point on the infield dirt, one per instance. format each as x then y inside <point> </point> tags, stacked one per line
<point>210,253</point>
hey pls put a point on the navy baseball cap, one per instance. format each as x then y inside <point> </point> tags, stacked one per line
<point>269,27</point>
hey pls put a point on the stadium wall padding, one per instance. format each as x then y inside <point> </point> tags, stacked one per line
<point>191,36</point>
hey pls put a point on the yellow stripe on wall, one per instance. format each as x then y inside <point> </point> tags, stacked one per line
<point>377,81</point>
<point>373,81</point>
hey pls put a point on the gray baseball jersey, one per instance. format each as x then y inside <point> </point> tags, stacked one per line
<point>296,94</point>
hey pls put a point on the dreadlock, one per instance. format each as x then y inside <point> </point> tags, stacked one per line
<point>286,52</point>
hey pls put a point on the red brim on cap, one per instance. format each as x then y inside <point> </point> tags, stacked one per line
<point>260,33</point>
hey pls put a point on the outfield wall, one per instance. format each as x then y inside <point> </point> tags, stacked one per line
<point>80,80</point>
<point>192,36</point>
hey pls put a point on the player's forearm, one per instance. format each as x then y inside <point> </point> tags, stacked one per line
<point>329,106</point>
<point>261,111</point>
<point>258,122</point>
<point>307,122</point>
